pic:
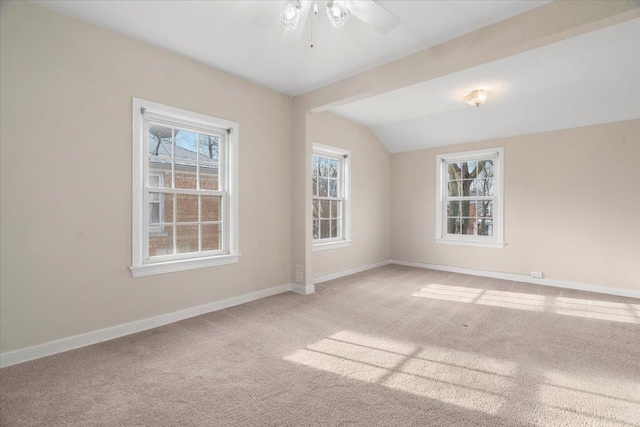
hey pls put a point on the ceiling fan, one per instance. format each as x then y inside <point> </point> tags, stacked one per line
<point>295,13</point>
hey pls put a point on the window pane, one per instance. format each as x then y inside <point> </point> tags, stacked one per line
<point>334,209</point>
<point>454,171</point>
<point>211,237</point>
<point>468,188</point>
<point>185,175</point>
<point>159,141</point>
<point>485,187</point>
<point>461,226</point>
<point>209,148</point>
<point>159,174</point>
<point>154,212</point>
<point>323,166</point>
<point>185,145</point>
<point>161,241</point>
<point>316,225</point>
<point>333,168</point>
<point>325,229</point>
<point>453,189</point>
<point>333,188</point>
<point>334,228</point>
<point>472,169</point>
<point>485,169</point>
<point>485,227</point>
<point>211,207</point>
<point>314,186</point>
<point>316,208</point>
<point>186,238</point>
<point>323,185</point>
<point>325,209</point>
<point>187,208</point>
<point>208,176</point>
<point>484,209</point>
<point>461,208</point>
<point>168,200</point>
<point>315,166</point>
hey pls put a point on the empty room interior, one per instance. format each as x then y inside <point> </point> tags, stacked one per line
<point>320,213</point>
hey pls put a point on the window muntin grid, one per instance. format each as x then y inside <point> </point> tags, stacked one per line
<point>328,197</point>
<point>470,197</point>
<point>193,189</point>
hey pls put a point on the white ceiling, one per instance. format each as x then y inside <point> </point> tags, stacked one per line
<point>590,79</point>
<point>243,37</point>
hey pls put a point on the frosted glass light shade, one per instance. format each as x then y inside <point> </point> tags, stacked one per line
<point>337,14</point>
<point>477,97</point>
<point>290,15</point>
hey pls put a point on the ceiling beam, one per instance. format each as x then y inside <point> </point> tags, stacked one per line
<point>544,25</point>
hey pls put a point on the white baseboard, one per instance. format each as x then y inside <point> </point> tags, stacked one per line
<point>77,341</point>
<point>351,271</point>
<point>525,278</point>
<point>302,289</point>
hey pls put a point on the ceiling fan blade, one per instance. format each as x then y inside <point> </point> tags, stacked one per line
<point>372,13</point>
<point>291,38</point>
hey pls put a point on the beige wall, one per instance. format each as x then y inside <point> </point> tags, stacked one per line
<point>572,207</point>
<point>66,177</point>
<point>370,189</point>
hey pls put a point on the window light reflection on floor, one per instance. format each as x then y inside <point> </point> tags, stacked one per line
<point>602,400</point>
<point>463,379</point>
<point>474,381</point>
<point>592,309</point>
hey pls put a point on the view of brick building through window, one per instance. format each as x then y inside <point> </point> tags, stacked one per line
<point>193,220</point>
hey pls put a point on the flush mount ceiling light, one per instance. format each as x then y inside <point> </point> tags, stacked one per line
<point>290,15</point>
<point>337,14</point>
<point>477,97</point>
<point>294,17</point>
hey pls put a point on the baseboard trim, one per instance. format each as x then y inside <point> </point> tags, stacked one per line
<point>302,289</point>
<point>524,278</point>
<point>94,337</point>
<point>351,271</point>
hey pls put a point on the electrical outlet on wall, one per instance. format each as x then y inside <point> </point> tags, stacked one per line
<point>536,274</point>
<point>299,276</point>
<point>298,267</point>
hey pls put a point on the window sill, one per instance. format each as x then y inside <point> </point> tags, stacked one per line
<point>331,245</point>
<point>476,243</point>
<point>182,265</point>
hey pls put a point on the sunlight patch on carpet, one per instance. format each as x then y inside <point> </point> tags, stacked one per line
<point>463,379</point>
<point>590,309</point>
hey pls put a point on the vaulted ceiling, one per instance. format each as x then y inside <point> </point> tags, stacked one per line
<point>583,80</point>
<point>243,37</point>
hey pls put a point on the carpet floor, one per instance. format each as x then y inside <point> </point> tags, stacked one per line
<point>394,346</point>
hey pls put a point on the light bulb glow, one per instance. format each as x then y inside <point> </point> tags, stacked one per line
<point>290,15</point>
<point>337,14</point>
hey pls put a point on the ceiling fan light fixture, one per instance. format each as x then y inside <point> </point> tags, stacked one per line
<point>337,14</point>
<point>477,97</point>
<point>290,15</point>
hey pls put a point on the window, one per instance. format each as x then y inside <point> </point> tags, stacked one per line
<point>330,193</point>
<point>470,198</point>
<point>184,190</point>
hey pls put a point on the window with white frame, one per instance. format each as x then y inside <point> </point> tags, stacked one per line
<point>330,192</point>
<point>184,190</point>
<point>470,201</point>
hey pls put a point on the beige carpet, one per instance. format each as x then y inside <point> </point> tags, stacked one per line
<point>391,346</point>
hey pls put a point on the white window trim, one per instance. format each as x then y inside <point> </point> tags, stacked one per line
<point>345,240</point>
<point>495,241</point>
<point>141,266</point>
